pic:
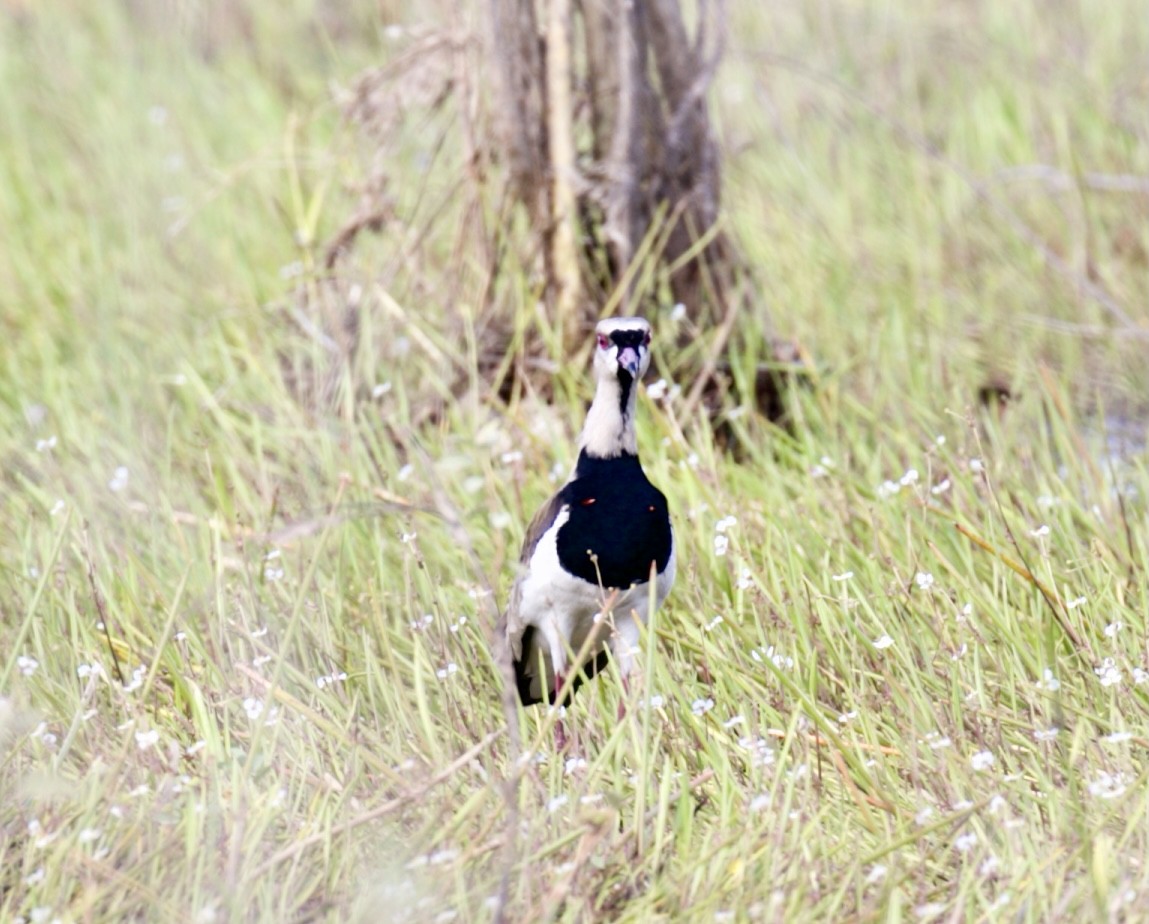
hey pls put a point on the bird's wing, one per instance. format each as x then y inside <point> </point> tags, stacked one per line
<point>512,623</point>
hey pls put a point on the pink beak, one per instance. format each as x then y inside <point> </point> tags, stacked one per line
<point>628,360</point>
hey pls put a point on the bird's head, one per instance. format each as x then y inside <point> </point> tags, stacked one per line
<point>622,349</point>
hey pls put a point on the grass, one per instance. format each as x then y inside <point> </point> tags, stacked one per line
<point>247,581</point>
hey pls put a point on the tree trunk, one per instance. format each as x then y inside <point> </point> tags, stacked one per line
<point>636,102</point>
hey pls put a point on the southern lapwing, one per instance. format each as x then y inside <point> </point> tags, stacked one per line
<point>604,541</point>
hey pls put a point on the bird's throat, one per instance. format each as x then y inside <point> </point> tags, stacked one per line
<point>609,428</point>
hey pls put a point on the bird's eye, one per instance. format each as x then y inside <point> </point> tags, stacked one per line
<point>646,339</point>
<point>603,341</point>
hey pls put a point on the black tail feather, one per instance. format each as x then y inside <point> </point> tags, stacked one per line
<point>523,679</point>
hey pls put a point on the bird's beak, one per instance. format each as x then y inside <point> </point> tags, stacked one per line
<point>628,359</point>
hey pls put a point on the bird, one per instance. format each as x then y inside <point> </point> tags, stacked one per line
<point>596,552</point>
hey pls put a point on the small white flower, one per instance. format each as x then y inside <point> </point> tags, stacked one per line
<point>844,717</point>
<point>273,574</point>
<point>500,520</point>
<point>40,914</point>
<point>713,624</point>
<point>1108,785</point>
<point>1076,602</point>
<point>702,706</point>
<point>557,802</point>
<point>759,803</point>
<point>35,877</point>
<point>876,874</point>
<point>996,804</point>
<point>1000,902</point>
<point>378,391</point>
<point>883,641</point>
<point>941,487</point>
<point>1119,737</point>
<point>726,523</point>
<point>510,458</point>
<point>678,313</point>
<point>925,813</point>
<point>1113,628</point>
<point>655,701</point>
<point>989,866</point>
<point>27,665</point>
<point>1041,531</point>
<point>253,706</point>
<point>924,580</point>
<point>929,910</point>
<point>1049,682</point>
<point>45,445</point>
<point>976,466</point>
<point>1108,673</point>
<point>982,760</point>
<point>192,749</point>
<point>408,538</point>
<point>658,390</point>
<point>137,681</point>
<point>119,479</point>
<point>147,739</point>
<point>963,843</point>
<point>87,835</point>
<point>888,489</point>
<point>775,657</point>
<point>1046,734</point>
<point>909,478</point>
<point>444,672</point>
<point>721,545</point>
<point>940,743</point>
<point>405,472</point>
<point>1140,676</point>
<point>844,576</point>
<point>58,508</point>
<point>573,765</point>
<point>734,721</point>
<point>745,579</point>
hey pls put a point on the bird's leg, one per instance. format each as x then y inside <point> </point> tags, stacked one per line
<point>625,697</point>
<point>625,648</point>
<point>560,732</point>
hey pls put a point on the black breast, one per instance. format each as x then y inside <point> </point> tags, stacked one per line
<point>618,523</point>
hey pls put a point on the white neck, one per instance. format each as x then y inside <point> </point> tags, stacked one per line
<point>609,430</point>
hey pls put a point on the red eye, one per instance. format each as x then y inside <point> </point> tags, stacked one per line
<point>646,339</point>
<point>603,341</point>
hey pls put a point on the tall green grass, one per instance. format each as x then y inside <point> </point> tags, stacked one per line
<point>247,574</point>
